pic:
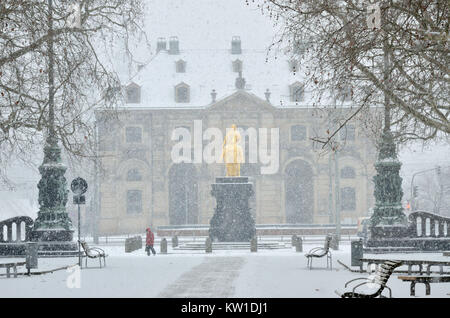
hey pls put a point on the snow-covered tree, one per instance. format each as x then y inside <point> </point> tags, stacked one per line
<point>370,52</point>
<point>85,33</point>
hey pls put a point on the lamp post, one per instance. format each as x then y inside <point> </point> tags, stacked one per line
<point>79,187</point>
<point>53,222</point>
<point>388,220</point>
<point>337,195</point>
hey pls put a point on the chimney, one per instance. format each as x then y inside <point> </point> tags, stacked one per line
<point>267,94</point>
<point>213,95</point>
<point>174,45</point>
<point>236,45</point>
<point>161,44</point>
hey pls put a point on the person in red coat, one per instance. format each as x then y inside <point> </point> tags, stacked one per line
<point>149,240</point>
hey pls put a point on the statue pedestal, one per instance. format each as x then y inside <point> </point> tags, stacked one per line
<point>388,236</point>
<point>232,220</point>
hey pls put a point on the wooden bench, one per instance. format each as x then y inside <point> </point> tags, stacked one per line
<point>411,263</point>
<point>427,280</point>
<point>14,266</point>
<point>378,280</point>
<point>93,252</point>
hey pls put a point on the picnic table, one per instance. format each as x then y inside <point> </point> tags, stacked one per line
<point>410,263</point>
<point>424,280</point>
<point>14,266</point>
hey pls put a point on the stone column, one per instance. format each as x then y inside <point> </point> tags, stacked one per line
<point>53,222</point>
<point>388,222</point>
<point>232,220</point>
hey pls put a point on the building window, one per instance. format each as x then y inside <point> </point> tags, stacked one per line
<point>134,175</point>
<point>300,46</point>
<point>348,133</point>
<point>348,173</point>
<point>182,93</point>
<point>344,94</point>
<point>133,94</point>
<point>134,201</point>
<point>133,134</point>
<point>180,66</point>
<point>298,132</point>
<point>297,91</point>
<point>348,199</point>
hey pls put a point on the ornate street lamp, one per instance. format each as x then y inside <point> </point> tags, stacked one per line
<point>388,222</point>
<point>53,222</point>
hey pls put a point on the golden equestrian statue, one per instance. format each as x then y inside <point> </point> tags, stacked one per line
<point>232,152</point>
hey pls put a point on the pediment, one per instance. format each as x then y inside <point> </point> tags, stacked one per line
<point>241,101</point>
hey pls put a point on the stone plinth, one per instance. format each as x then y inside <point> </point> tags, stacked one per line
<point>232,220</point>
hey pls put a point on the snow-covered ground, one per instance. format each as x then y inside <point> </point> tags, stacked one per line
<point>265,274</point>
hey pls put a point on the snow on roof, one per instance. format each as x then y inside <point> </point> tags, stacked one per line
<point>212,69</point>
<point>205,29</point>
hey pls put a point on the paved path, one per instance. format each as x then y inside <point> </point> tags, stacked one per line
<point>212,278</point>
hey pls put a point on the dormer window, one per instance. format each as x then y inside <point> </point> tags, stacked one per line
<point>134,175</point>
<point>133,94</point>
<point>236,45</point>
<point>180,66</point>
<point>182,93</point>
<point>237,66</point>
<point>297,92</point>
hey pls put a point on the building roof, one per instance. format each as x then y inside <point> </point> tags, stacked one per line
<point>205,29</point>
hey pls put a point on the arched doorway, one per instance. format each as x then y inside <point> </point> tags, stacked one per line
<point>183,188</point>
<point>299,190</point>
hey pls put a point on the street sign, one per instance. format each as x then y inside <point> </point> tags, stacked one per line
<point>78,186</point>
<point>79,199</point>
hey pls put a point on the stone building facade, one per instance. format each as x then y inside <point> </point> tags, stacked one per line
<point>140,185</point>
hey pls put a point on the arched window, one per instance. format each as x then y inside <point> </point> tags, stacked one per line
<point>348,173</point>
<point>297,92</point>
<point>237,66</point>
<point>133,94</point>
<point>182,93</point>
<point>134,175</point>
<point>180,66</point>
